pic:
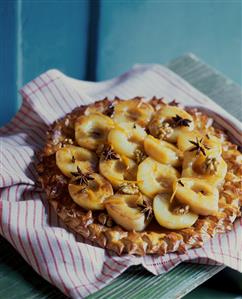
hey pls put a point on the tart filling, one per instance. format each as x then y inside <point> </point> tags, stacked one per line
<point>141,176</point>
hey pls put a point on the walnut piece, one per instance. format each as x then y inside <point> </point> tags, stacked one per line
<point>164,130</point>
<point>139,156</point>
<point>129,188</point>
<point>210,165</point>
<point>181,209</point>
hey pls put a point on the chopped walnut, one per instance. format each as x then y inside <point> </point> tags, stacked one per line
<point>164,130</point>
<point>129,188</point>
<point>181,209</point>
<point>210,165</point>
<point>68,141</point>
<point>139,156</point>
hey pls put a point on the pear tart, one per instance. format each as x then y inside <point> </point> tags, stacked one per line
<point>141,177</point>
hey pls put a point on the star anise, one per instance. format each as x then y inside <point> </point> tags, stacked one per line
<point>110,109</point>
<point>180,183</point>
<point>109,154</point>
<point>199,147</point>
<point>81,178</point>
<point>178,121</point>
<point>174,103</point>
<point>145,208</point>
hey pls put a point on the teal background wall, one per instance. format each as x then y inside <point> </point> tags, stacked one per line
<point>36,36</point>
<point>53,35</point>
<point>8,62</point>
<point>99,39</point>
<point>158,31</point>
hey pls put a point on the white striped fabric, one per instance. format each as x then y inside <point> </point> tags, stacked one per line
<point>75,265</point>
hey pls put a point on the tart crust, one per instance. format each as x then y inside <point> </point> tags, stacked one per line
<point>155,239</point>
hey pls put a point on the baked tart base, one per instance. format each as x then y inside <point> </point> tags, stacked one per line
<point>97,225</point>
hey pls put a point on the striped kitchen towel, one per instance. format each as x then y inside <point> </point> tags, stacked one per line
<point>65,259</point>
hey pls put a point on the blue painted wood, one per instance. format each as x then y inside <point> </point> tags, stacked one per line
<point>8,85</point>
<point>92,48</point>
<point>37,36</point>
<point>54,35</point>
<point>157,31</point>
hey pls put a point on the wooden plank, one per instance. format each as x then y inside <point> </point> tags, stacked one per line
<point>18,280</point>
<point>219,88</point>
<point>138,283</point>
<point>135,282</point>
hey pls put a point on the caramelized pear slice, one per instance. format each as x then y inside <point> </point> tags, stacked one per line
<point>167,218</point>
<point>118,171</point>
<point>154,177</point>
<point>198,194</point>
<point>92,195</point>
<point>211,144</point>
<point>70,157</point>
<point>162,151</point>
<point>170,121</point>
<point>124,211</point>
<point>133,111</point>
<point>92,130</point>
<point>126,139</point>
<point>212,169</point>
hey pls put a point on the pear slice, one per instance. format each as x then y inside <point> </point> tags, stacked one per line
<point>197,166</point>
<point>166,218</point>
<point>91,196</point>
<point>118,171</point>
<point>198,194</point>
<point>92,130</point>
<point>162,151</point>
<point>212,144</point>
<point>154,177</point>
<point>184,138</point>
<point>125,139</point>
<point>124,211</point>
<point>163,125</point>
<point>70,157</point>
<point>133,111</point>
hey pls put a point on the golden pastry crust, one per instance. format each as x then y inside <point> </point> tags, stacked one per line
<point>97,225</point>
